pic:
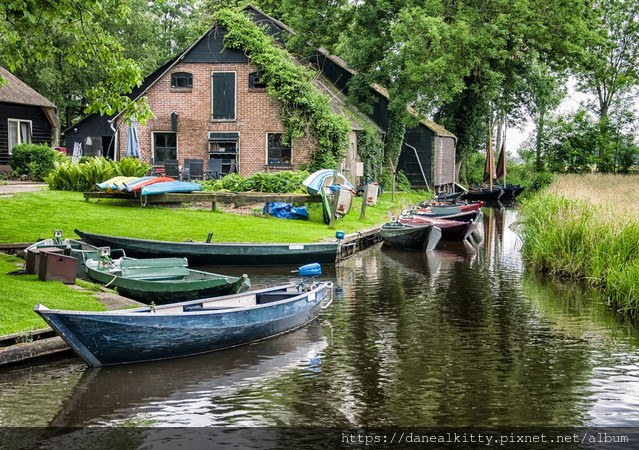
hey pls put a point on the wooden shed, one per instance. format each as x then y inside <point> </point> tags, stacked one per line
<point>26,117</point>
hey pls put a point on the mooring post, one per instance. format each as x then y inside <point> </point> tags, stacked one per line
<point>364,202</point>
<point>334,209</point>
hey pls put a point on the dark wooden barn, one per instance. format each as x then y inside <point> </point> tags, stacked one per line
<point>26,117</point>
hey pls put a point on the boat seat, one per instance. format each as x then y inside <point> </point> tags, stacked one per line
<point>194,308</point>
<point>156,269</point>
<point>270,297</point>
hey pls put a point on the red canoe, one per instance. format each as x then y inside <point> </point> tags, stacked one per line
<point>452,230</point>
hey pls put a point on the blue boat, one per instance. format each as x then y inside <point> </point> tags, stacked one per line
<point>188,328</point>
<point>170,186</point>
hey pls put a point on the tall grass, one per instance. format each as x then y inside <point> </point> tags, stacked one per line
<point>586,228</point>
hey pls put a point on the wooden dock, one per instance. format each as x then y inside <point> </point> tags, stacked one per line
<point>214,197</point>
<point>357,241</point>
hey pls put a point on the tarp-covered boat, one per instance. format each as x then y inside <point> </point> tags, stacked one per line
<point>161,280</point>
<point>219,253</point>
<point>187,328</point>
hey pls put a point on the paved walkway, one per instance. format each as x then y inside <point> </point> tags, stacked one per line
<point>8,188</point>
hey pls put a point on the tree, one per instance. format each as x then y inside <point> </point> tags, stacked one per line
<point>608,67</point>
<point>148,35</point>
<point>546,90</point>
<point>30,30</point>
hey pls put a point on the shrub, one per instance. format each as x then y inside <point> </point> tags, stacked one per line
<point>70,176</point>
<point>280,182</point>
<point>32,159</point>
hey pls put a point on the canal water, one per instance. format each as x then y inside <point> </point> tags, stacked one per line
<point>459,337</point>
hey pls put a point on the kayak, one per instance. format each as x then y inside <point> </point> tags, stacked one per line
<point>170,186</point>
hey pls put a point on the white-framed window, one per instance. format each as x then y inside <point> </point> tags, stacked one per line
<point>19,132</point>
<point>223,99</point>
<point>277,153</point>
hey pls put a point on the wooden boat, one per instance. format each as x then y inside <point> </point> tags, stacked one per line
<point>234,369</point>
<point>187,328</point>
<point>421,237</point>
<point>483,194</point>
<point>510,192</point>
<point>170,186</point>
<point>136,186</point>
<point>69,247</point>
<point>452,230</point>
<point>325,178</point>
<point>464,216</point>
<point>447,208</point>
<point>448,196</point>
<point>219,253</point>
<point>162,280</point>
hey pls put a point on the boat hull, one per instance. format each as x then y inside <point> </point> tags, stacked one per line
<point>170,291</point>
<point>200,253</point>
<point>410,237</point>
<point>452,230</point>
<point>120,337</point>
<point>485,195</point>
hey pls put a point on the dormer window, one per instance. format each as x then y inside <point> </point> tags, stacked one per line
<point>182,80</point>
<point>256,81</point>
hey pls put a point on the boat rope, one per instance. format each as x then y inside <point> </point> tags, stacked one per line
<point>109,283</point>
<point>330,293</point>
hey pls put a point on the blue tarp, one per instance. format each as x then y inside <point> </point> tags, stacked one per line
<point>283,210</point>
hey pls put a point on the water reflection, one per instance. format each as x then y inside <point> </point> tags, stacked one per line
<point>460,336</point>
<point>187,391</point>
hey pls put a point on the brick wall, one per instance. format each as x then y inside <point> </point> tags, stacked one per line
<point>256,114</point>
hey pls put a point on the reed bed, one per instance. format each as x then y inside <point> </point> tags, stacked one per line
<point>586,228</point>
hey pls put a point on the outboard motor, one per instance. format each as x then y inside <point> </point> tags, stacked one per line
<point>308,273</point>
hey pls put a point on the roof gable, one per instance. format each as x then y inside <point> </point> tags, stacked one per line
<point>17,91</point>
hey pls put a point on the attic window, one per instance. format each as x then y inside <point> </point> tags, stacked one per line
<point>256,81</point>
<point>182,80</point>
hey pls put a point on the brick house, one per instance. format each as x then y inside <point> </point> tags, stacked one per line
<point>209,104</point>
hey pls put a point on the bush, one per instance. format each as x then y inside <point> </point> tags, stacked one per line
<point>32,159</point>
<point>280,182</point>
<point>541,181</point>
<point>70,176</point>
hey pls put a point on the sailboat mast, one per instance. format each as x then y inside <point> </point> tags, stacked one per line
<point>491,161</point>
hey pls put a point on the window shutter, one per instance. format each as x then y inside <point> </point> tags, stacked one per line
<point>223,100</point>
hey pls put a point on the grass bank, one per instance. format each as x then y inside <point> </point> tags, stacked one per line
<point>586,228</point>
<point>20,293</point>
<point>29,216</point>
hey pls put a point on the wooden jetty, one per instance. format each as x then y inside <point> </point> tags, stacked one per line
<point>214,197</point>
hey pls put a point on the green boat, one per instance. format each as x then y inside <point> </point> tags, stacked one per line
<point>161,280</point>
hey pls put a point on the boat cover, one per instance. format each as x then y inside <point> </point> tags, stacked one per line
<point>283,210</point>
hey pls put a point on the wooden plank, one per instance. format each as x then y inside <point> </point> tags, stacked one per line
<point>214,197</point>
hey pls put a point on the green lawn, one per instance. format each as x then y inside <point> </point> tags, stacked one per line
<point>29,216</point>
<point>20,293</point>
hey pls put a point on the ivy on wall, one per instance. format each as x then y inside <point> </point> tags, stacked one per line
<point>302,107</point>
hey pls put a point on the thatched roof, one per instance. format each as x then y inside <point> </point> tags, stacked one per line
<point>16,91</point>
